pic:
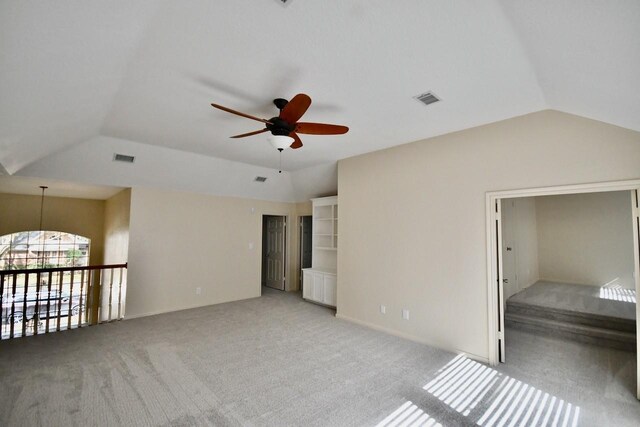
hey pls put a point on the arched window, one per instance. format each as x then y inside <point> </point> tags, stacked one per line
<point>43,249</point>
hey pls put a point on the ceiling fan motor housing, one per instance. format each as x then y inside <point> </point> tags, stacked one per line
<point>280,103</point>
<point>277,126</point>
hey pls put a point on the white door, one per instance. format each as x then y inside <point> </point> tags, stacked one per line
<point>318,287</point>
<point>635,200</point>
<point>307,285</point>
<point>330,285</point>
<point>500,284</point>
<point>509,276</point>
<point>275,252</point>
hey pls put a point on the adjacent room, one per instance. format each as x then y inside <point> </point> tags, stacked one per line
<point>317,213</point>
<point>568,267</point>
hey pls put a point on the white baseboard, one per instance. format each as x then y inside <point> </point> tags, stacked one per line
<point>154,313</point>
<point>412,338</point>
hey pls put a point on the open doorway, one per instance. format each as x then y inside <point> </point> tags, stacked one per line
<point>306,233</point>
<point>274,237</point>
<point>568,267</point>
<point>544,273</point>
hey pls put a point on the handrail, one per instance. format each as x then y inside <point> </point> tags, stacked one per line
<point>42,300</point>
<point>55,269</point>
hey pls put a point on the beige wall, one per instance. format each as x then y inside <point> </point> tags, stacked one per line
<point>116,250</point>
<point>304,208</point>
<point>181,241</point>
<point>586,238</point>
<point>116,228</point>
<point>78,216</point>
<point>412,218</point>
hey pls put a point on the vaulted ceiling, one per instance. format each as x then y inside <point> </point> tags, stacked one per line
<point>82,80</point>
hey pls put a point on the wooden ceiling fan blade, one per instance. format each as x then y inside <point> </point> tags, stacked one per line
<point>238,113</point>
<point>297,143</point>
<point>321,129</point>
<point>249,133</point>
<point>295,108</point>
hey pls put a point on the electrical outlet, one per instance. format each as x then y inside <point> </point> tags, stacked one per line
<point>405,314</point>
<point>383,309</point>
<point>198,290</point>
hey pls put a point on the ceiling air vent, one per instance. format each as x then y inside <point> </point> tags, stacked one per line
<point>260,178</point>
<point>123,158</point>
<point>427,98</point>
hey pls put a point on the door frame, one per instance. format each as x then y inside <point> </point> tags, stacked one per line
<point>285,261</point>
<point>494,252</point>
<point>301,245</point>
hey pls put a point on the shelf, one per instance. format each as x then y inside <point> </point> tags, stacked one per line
<point>325,234</point>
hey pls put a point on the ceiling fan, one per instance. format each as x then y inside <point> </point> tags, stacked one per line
<point>286,123</point>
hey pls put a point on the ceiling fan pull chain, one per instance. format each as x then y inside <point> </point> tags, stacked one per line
<point>280,161</point>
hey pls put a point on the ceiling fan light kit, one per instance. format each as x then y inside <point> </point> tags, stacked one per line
<point>280,142</point>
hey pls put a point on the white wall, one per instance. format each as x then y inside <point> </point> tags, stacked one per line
<point>586,238</point>
<point>523,236</point>
<point>412,218</point>
<point>180,241</point>
<point>527,235</point>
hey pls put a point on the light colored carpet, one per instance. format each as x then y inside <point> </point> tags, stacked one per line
<point>603,301</point>
<point>277,360</point>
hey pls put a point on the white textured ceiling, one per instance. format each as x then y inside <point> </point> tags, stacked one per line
<point>73,72</point>
<point>586,54</point>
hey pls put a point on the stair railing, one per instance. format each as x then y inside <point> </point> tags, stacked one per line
<point>43,300</point>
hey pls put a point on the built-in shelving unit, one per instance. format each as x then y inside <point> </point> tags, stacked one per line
<point>320,281</point>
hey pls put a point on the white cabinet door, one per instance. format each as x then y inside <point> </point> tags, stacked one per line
<point>318,287</point>
<point>307,285</point>
<point>330,287</point>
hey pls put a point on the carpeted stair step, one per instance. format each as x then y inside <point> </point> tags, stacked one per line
<point>573,317</point>
<point>583,333</point>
